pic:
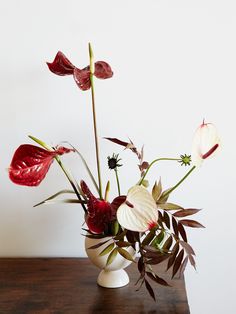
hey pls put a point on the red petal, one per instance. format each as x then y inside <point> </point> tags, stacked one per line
<point>103,70</point>
<point>100,212</point>
<point>82,78</point>
<point>30,164</point>
<point>61,65</point>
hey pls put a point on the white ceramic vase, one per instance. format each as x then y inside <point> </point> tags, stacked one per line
<point>113,275</point>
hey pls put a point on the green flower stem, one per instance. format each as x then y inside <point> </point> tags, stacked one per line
<point>175,187</point>
<point>94,120</point>
<point>117,181</point>
<point>62,167</point>
<point>152,163</point>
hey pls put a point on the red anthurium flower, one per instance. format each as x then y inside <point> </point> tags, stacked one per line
<point>30,164</point>
<point>62,66</point>
<point>100,212</point>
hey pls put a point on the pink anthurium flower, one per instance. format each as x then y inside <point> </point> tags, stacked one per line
<point>100,212</point>
<point>139,211</point>
<point>205,143</point>
<point>62,66</point>
<point>30,164</point>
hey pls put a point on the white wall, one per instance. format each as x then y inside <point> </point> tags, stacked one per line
<point>174,64</point>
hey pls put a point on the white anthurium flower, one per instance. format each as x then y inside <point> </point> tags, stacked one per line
<point>139,211</point>
<point>205,143</point>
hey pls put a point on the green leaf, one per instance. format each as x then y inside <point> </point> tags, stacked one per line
<point>54,196</point>
<point>158,239</point>
<point>125,254</point>
<point>107,249</point>
<point>169,206</point>
<point>115,227</point>
<point>111,257</point>
<point>156,190</point>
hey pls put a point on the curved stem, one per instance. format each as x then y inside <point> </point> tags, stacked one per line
<point>62,167</point>
<point>117,181</point>
<point>152,163</point>
<point>94,120</point>
<point>175,186</point>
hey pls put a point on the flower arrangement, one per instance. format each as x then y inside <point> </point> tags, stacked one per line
<point>144,220</point>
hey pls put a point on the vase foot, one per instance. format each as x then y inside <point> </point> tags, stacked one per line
<point>113,279</point>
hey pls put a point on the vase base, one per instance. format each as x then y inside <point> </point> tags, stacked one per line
<point>113,279</point>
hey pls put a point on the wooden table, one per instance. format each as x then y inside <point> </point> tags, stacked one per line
<point>68,285</point>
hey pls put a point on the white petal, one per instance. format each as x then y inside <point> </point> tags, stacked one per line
<point>142,214</point>
<point>205,138</point>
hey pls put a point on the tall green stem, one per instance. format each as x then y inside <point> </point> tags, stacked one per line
<point>62,167</point>
<point>175,187</point>
<point>94,120</point>
<point>152,163</point>
<point>117,181</point>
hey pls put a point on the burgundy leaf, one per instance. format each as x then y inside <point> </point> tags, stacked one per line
<point>157,260</point>
<point>82,78</point>
<point>141,267</point>
<point>178,262</point>
<point>192,261</point>
<point>183,266</point>
<point>157,279</point>
<point>61,65</point>
<point>30,164</point>
<point>175,251</point>
<point>191,223</point>
<point>117,141</point>
<point>168,243</point>
<point>123,244</point>
<point>149,237</point>
<point>97,245</point>
<point>187,247</point>
<point>167,220</point>
<point>150,290</point>
<point>182,232</point>
<point>186,212</point>
<point>175,226</point>
<point>103,70</point>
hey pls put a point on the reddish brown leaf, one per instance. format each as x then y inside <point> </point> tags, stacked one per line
<point>167,243</point>
<point>149,237</point>
<point>123,244</point>
<point>150,290</point>
<point>192,261</point>
<point>182,232</point>
<point>183,266</point>
<point>173,255</point>
<point>158,259</point>
<point>117,141</point>
<point>98,245</point>
<point>166,219</point>
<point>175,226</point>
<point>187,247</point>
<point>178,262</point>
<point>141,267</point>
<point>186,212</point>
<point>157,279</point>
<point>191,223</point>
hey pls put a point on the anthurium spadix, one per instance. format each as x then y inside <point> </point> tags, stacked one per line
<point>139,211</point>
<point>205,143</point>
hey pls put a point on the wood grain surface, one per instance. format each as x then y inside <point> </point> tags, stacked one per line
<point>68,285</point>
